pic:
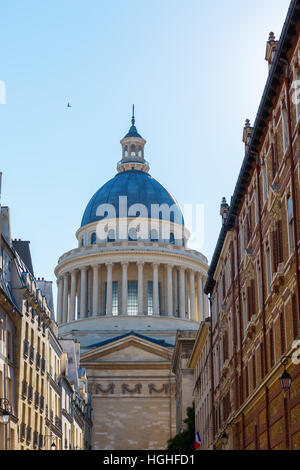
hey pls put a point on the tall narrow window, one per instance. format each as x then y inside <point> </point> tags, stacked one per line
<point>150,298</point>
<point>274,151</point>
<point>265,182</point>
<point>294,316</point>
<point>285,130</point>
<point>271,336</point>
<point>268,265</point>
<point>115,298</point>
<point>262,369</point>
<point>254,371</point>
<point>132,298</point>
<point>290,224</point>
<point>282,333</point>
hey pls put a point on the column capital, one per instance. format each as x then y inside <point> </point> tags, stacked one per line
<point>155,264</point>
<point>109,263</point>
<point>140,263</point>
<point>83,268</point>
<point>124,263</point>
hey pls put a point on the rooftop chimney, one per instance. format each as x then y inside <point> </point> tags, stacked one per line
<point>247,134</point>
<point>271,49</point>
<point>223,210</point>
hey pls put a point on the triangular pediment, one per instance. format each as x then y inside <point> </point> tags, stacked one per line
<point>128,349</point>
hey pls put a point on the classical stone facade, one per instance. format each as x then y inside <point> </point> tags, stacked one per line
<point>31,378</point>
<point>200,363</point>
<point>123,292</point>
<point>184,375</point>
<point>253,281</point>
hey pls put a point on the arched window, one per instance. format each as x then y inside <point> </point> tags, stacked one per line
<point>93,238</point>
<point>126,151</point>
<point>140,154</point>
<point>172,238</point>
<point>81,242</point>
<point>132,151</point>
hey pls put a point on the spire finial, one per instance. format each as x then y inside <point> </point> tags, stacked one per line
<point>132,119</point>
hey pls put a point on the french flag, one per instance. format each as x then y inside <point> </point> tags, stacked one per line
<point>197,442</point>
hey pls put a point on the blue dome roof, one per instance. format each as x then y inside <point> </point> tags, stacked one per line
<point>139,187</point>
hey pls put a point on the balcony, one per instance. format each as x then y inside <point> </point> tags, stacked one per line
<point>31,354</point>
<point>36,399</point>
<point>22,431</point>
<point>25,348</point>
<point>42,403</point>
<point>43,365</point>
<point>57,422</point>
<point>24,389</point>
<point>37,361</point>
<point>28,435</point>
<point>41,441</point>
<point>35,438</point>
<point>30,393</point>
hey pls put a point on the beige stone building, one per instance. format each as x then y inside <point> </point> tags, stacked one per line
<point>200,363</point>
<point>184,375</point>
<point>126,289</point>
<point>31,357</point>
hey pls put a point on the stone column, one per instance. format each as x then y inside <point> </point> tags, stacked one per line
<point>182,292</point>
<point>170,291</point>
<point>200,298</point>
<point>95,290</point>
<point>73,296</point>
<point>192,294</point>
<point>109,289</point>
<point>65,299</point>
<point>124,288</point>
<point>155,290</point>
<point>83,272</point>
<point>59,300</point>
<point>140,288</point>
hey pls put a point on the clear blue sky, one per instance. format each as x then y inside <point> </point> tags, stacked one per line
<point>195,71</point>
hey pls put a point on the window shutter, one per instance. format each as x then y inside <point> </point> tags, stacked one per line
<point>294,315</point>
<point>279,241</point>
<point>274,250</point>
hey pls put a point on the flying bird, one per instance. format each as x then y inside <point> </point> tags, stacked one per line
<point>68,105</point>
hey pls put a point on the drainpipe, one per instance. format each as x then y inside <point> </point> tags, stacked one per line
<point>240,325</point>
<point>257,166</point>
<point>293,191</point>
<point>234,325</point>
<point>240,309</point>
<point>212,373</point>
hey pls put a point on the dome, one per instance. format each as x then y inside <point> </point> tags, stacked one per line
<point>140,188</point>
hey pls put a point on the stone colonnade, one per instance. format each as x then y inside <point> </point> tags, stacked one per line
<point>89,291</point>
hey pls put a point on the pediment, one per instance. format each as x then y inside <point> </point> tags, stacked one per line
<point>128,349</point>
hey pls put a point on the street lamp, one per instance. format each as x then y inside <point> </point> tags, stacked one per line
<point>285,381</point>
<point>53,446</point>
<point>5,416</point>
<point>285,378</point>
